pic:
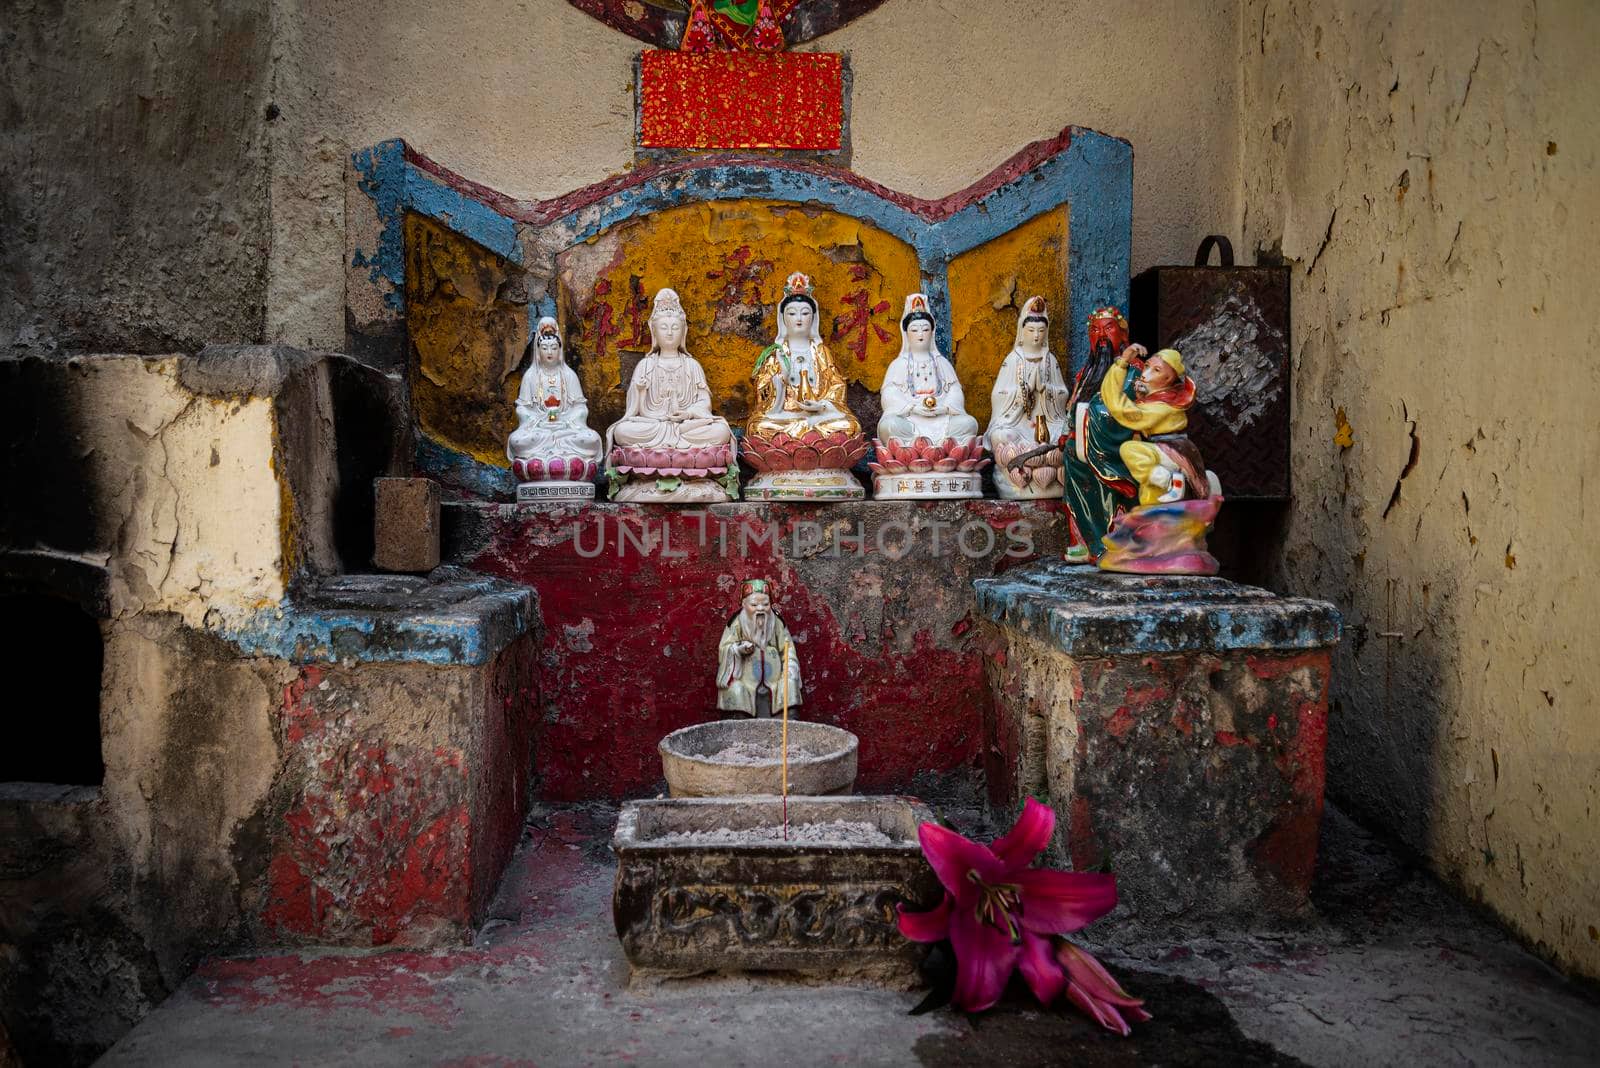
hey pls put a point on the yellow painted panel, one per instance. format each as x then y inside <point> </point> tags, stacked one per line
<point>727,260</point>
<point>987,287</point>
<point>468,325</point>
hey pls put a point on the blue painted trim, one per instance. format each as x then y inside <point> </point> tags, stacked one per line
<point>397,186</point>
<point>460,471</point>
<point>1086,612</point>
<point>462,622</point>
<point>382,176</point>
<point>472,219</point>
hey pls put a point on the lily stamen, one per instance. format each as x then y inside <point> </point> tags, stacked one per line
<point>997,903</point>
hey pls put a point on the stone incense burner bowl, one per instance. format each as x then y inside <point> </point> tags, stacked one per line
<point>730,757</point>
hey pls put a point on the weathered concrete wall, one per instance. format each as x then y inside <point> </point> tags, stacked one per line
<point>1431,175</point>
<point>191,746</point>
<point>175,495</point>
<point>133,174</point>
<point>537,100</point>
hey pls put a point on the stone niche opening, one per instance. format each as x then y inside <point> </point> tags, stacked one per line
<point>447,276</point>
<point>56,741</point>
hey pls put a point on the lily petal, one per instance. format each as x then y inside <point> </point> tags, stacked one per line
<point>1056,902</point>
<point>1087,972</point>
<point>1040,967</point>
<point>952,856</point>
<point>1104,1015</point>
<point>1018,846</point>
<point>985,957</point>
<point>932,926</point>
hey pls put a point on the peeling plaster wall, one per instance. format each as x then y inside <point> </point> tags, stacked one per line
<point>133,174</point>
<point>536,99</point>
<point>174,495</point>
<point>191,754</point>
<point>1431,176</point>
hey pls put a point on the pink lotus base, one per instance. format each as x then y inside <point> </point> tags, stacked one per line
<point>668,463</point>
<point>810,451</point>
<point>1038,478</point>
<point>922,456</point>
<point>561,469</point>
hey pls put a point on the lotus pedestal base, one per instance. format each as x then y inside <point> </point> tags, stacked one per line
<point>554,492</point>
<point>819,485</point>
<point>1007,490</point>
<point>676,490</point>
<point>928,486</point>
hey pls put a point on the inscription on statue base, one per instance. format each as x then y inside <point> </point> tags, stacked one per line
<point>554,492</point>
<point>927,487</point>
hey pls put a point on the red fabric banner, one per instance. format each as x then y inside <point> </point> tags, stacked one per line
<point>781,100</point>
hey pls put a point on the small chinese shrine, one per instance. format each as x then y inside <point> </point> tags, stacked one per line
<point>748,499</point>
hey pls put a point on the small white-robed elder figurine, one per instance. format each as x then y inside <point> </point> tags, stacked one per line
<point>1029,412</point>
<point>757,666</point>
<point>927,446</point>
<point>668,447</point>
<point>553,453</point>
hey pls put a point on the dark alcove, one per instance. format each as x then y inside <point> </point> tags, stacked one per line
<point>50,654</point>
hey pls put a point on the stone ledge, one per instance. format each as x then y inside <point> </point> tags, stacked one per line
<point>450,616</point>
<point>241,370</point>
<point>1084,611</point>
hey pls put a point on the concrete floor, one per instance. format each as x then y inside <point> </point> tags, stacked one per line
<point>1393,970</point>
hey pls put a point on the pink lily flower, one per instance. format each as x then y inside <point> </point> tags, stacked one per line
<point>1000,914</point>
<point>1092,989</point>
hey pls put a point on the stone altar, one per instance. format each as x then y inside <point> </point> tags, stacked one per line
<point>1176,725</point>
<point>705,885</point>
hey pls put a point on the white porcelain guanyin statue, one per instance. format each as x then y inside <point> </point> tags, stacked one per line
<point>1029,412</point>
<point>668,446</point>
<point>927,446</point>
<point>553,453</point>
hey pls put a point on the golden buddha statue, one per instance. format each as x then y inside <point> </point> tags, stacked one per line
<point>798,388</point>
<point>801,437</point>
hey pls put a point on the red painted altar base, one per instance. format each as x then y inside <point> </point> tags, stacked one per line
<point>405,788</point>
<point>634,599</point>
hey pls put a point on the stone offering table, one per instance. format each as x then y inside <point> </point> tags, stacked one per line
<point>707,885</point>
<point>1176,724</point>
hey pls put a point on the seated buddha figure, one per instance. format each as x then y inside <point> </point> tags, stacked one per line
<point>922,398</point>
<point>668,442</point>
<point>801,437</point>
<point>925,428</point>
<point>552,442</point>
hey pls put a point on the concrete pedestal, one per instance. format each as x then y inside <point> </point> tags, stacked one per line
<point>405,758</point>
<point>1177,726</point>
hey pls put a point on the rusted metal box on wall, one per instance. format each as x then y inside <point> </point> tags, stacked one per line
<point>1232,326</point>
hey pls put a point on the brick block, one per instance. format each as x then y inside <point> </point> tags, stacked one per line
<point>406,524</point>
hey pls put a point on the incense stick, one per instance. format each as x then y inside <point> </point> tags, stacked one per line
<point>785,741</point>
